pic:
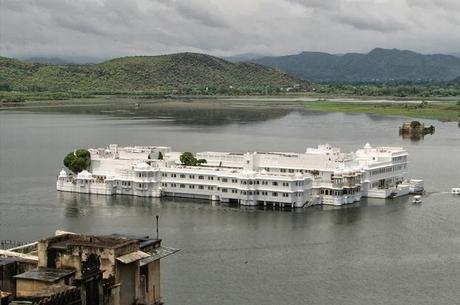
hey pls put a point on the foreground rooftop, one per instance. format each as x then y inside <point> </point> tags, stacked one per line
<point>49,275</point>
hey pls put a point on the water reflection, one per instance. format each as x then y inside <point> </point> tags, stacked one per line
<point>96,207</point>
<point>414,137</point>
<point>81,205</point>
<point>194,112</point>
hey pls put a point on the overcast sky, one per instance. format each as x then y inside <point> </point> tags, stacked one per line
<point>110,28</point>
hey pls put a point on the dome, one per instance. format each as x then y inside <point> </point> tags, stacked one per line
<point>62,174</point>
<point>84,175</point>
<point>248,174</point>
<point>245,173</point>
<point>367,146</point>
<point>338,173</point>
<point>142,166</point>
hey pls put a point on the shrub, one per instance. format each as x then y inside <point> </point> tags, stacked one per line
<point>415,124</point>
<point>188,159</point>
<point>78,160</point>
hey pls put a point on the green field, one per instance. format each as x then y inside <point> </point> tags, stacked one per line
<point>442,111</point>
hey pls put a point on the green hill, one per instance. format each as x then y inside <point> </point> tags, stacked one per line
<point>182,71</point>
<point>379,65</point>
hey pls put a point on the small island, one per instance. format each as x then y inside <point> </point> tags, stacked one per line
<point>415,130</point>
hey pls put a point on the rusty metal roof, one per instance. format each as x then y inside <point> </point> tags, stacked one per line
<point>52,290</point>
<point>49,275</point>
<point>158,253</point>
<point>132,257</point>
<point>144,241</point>
<point>63,242</point>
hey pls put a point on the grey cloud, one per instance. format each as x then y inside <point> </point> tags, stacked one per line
<point>437,4</point>
<point>361,15</point>
<point>223,27</point>
<point>317,4</point>
<point>77,25</point>
<point>370,23</point>
<point>196,13</point>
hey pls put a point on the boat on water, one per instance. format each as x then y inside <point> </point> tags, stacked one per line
<point>417,199</point>
<point>455,190</point>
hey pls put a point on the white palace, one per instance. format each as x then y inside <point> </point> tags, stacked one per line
<point>322,175</point>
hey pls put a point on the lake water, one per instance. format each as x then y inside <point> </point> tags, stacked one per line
<point>374,252</point>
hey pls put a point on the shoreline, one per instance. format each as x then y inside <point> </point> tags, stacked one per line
<point>444,110</point>
<point>441,111</point>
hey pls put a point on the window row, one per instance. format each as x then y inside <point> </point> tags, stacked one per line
<point>145,174</point>
<point>190,186</point>
<point>243,182</point>
<point>290,170</point>
<point>400,158</point>
<point>331,192</point>
<point>183,176</point>
<point>387,169</point>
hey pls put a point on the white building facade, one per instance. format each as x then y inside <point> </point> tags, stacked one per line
<point>322,175</point>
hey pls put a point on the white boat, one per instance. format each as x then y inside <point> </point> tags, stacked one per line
<point>455,190</point>
<point>417,199</point>
<point>416,186</point>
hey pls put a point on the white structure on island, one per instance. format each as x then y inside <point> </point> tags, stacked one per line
<point>322,175</point>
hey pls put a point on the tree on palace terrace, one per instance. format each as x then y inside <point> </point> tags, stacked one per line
<point>78,160</point>
<point>188,159</point>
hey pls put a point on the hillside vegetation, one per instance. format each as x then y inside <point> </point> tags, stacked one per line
<point>379,66</point>
<point>181,73</point>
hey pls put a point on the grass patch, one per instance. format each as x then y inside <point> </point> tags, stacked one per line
<point>15,97</point>
<point>442,111</point>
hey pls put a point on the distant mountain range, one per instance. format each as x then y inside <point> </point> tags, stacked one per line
<point>243,57</point>
<point>194,71</point>
<point>379,65</point>
<point>164,72</point>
